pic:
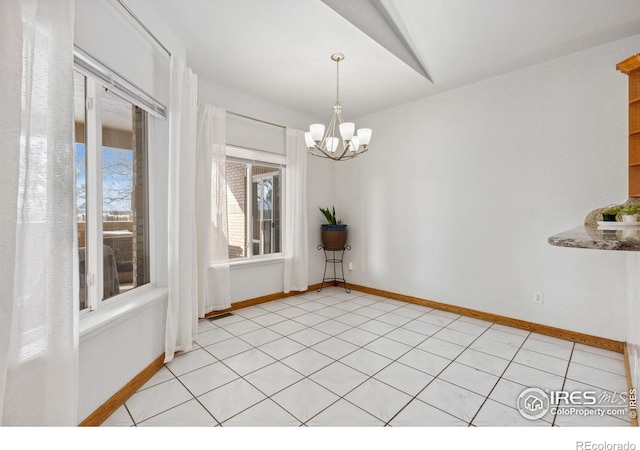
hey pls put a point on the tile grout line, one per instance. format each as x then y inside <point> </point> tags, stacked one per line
<point>130,415</point>
<point>370,377</point>
<point>439,373</point>
<point>198,400</point>
<point>307,347</point>
<point>628,422</point>
<point>352,327</point>
<point>177,378</point>
<point>224,384</point>
<point>276,360</point>
<point>564,380</point>
<point>240,377</point>
<point>342,397</point>
<point>362,347</point>
<point>498,380</point>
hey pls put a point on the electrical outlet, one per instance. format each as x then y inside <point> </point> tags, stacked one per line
<point>350,265</point>
<point>537,298</point>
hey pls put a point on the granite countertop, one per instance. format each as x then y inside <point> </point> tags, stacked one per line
<point>627,239</point>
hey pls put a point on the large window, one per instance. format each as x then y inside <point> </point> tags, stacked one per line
<point>254,209</point>
<point>111,192</point>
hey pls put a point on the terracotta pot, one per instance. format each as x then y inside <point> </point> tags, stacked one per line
<point>334,237</point>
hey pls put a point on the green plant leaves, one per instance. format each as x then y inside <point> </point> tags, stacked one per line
<point>330,215</point>
<point>630,209</point>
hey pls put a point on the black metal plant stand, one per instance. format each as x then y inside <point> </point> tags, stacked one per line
<point>335,261</point>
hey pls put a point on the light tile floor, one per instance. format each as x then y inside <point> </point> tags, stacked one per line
<point>337,359</point>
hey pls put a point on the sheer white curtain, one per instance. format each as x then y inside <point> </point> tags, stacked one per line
<point>39,263</point>
<point>214,285</point>
<point>182,307</point>
<point>296,241</point>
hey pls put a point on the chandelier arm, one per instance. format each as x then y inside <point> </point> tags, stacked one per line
<point>317,151</point>
<point>329,133</point>
<point>331,129</point>
<point>346,157</point>
<point>321,151</point>
<point>346,146</point>
<point>332,157</point>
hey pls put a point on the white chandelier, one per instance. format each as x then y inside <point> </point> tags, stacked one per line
<point>325,144</point>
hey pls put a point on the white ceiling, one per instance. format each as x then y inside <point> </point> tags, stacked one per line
<point>396,50</point>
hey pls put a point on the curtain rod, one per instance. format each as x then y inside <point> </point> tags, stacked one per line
<point>257,120</point>
<point>153,36</point>
<point>137,19</point>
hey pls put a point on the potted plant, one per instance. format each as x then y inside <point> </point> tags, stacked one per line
<point>334,232</point>
<point>610,213</point>
<point>630,212</point>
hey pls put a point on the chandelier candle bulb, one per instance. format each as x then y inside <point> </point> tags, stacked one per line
<point>355,143</point>
<point>317,131</point>
<point>324,142</point>
<point>346,130</point>
<point>308,139</point>
<point>364,134</point>
<point>332,144</point>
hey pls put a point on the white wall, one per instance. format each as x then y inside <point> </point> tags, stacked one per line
<point>458,193</point>
<point>145,11</point>
<point>251,281</point>
<point>119,351</point>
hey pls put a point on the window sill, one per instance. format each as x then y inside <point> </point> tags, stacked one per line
<point>257,261</point>
<point>120,309</point>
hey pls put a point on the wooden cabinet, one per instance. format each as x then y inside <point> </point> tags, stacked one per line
<point>631,67</point>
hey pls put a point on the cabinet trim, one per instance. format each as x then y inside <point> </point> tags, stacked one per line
<point>629,65</point>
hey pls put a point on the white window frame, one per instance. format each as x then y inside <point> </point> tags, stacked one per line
<point>93,179</point>
<point>94,284</point>
<point>254,157</point>
<point>250,181</point>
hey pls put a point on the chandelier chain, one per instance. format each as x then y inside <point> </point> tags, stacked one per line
<point>338,81</point>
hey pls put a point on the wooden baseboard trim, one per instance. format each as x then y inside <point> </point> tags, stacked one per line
<point>595,341</point>
<point>258,300</point>
<point>101,414</point>
<point>633,411</point>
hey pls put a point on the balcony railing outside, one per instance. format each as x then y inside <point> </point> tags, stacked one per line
<point>119,237</point>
